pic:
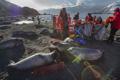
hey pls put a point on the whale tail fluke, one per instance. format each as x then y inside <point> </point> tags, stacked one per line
<point>11,62</point>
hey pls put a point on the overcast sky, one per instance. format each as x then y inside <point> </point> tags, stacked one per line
<point>45,4</point>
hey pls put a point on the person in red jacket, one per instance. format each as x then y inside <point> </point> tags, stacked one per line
<point>76,22</point>
<point>89,17</point>
<point>63,22</point>
<point>54,21</point>
<point>98,21</point>
<point>94,18</point>
<point>115,24</point>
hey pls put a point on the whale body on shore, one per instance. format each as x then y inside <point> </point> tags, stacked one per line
<point>85,53</point>
<point>10,43</point>
<point>38,59</point>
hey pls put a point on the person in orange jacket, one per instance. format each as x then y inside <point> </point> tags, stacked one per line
<point>54,21</point>
<point>63,22</point>
<point>115,24</point>
<point>38,19</point>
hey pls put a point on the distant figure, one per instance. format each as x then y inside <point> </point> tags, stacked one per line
<point>54,21</point>
<point>38,19</point>
<point>63,22</point>
<point>86,18</point>
<point>115,24</point>
<point>69,21</point>
<point>89,17</point>
<point>33,18</point>
<point>46,22</point>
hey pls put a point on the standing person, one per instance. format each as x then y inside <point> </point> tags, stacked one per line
<point>89,17</point>
<point>69,20</point>
<point>63,22</point>
<point>76,21</point>
<point>54,21</point>
<point>115,24</point>
<point>76,17</point>
<point>38,19</point>
<point>33,18</point>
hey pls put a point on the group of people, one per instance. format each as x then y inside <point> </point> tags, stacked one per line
<point>63,22</point>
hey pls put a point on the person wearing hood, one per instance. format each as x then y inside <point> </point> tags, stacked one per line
<point>63,22</point>
<point>115,24</point>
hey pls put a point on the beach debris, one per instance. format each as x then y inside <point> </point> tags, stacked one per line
<point>96,73</point>
<point>71,41</point>
<point>39,71</point>
<point>93,72</point>
<point>62,46</point>
<point>77,59</point>
<point>51,41</point>
<point>81,41</point>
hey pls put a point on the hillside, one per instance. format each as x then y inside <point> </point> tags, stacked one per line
<point>110,8</point>
<point>81,9</point>
<point>9,9</point>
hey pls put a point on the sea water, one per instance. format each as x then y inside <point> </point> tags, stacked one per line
<point>81,16</point>
<point>48,18</point>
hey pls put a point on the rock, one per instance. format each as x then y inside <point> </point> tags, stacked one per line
<point>27,35</point>
<point>1,38</point>
<point>5,23</point>
<point>45,31</point>
<point>4,27</point>
<point>39,26</point>
<point>118,39</point>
